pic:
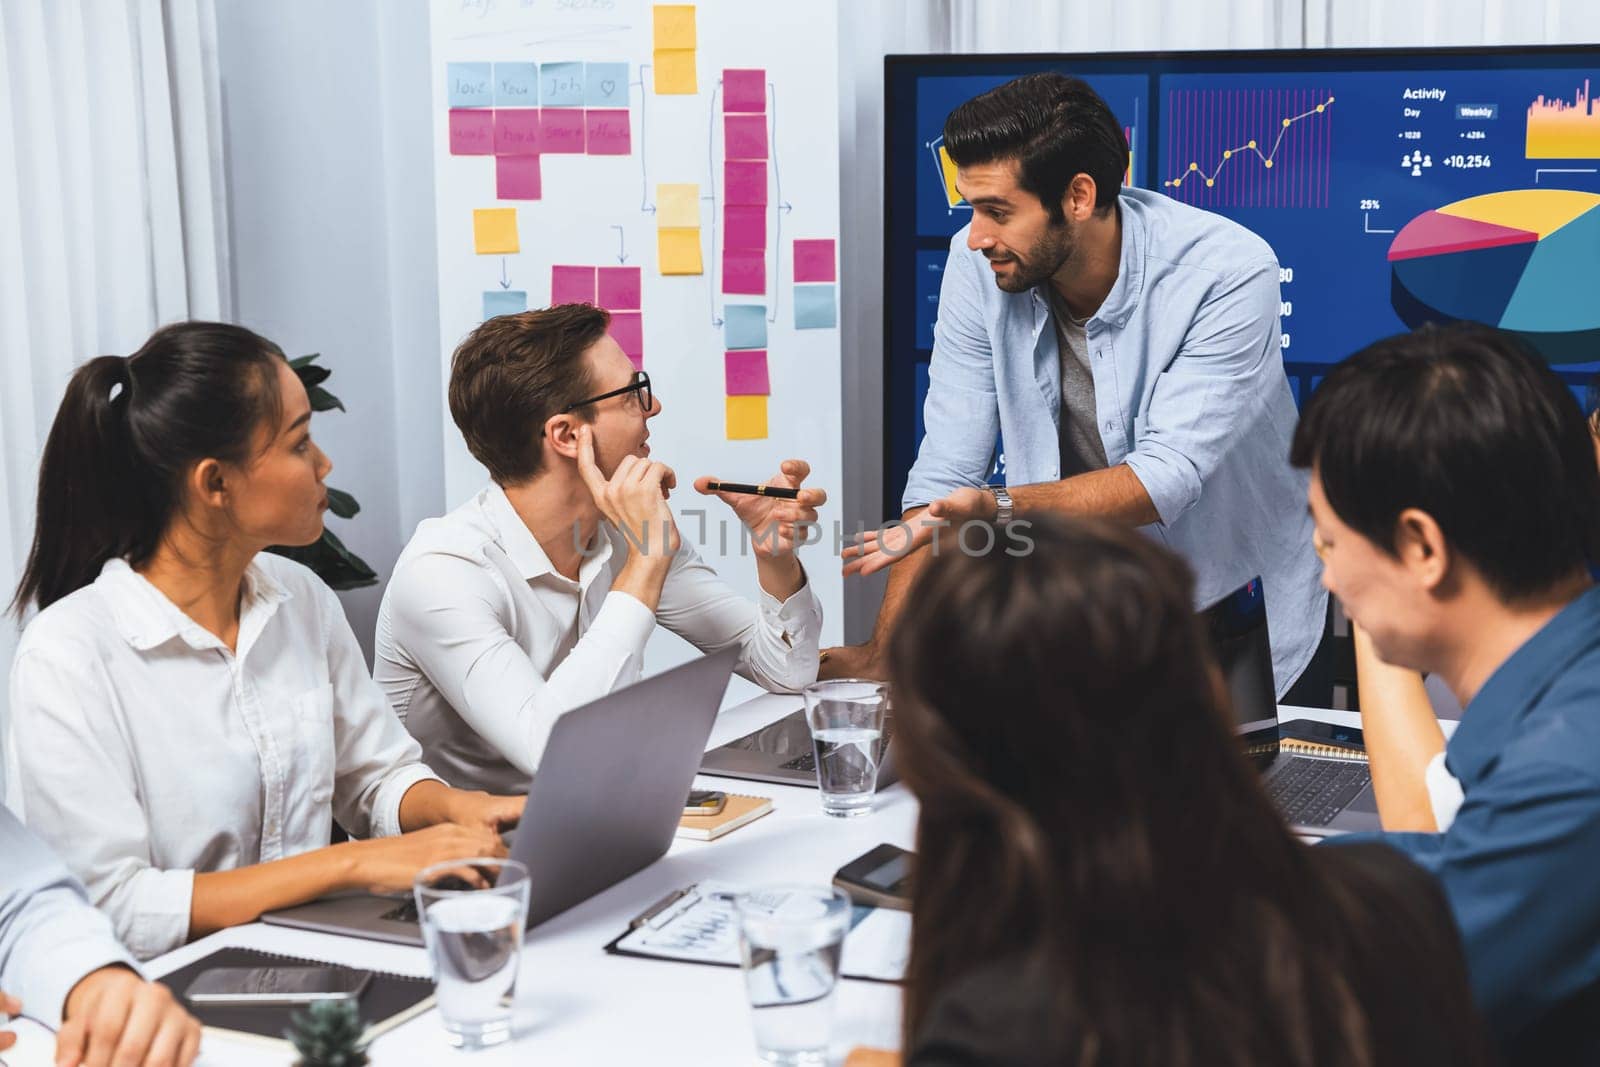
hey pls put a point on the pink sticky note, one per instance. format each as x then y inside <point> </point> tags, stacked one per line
<point>517,177</point>
<point>608,132</point>
<point>746,372</point>
<point>619,288</point>
<point>744,183</point>
<point>516,131</point>
<point>627,329</point>
<point>744,271</point>
<point>744,90</point>
<point>813,261</point>
<point>744,136</point>
<point>746,227</point>
<point>471,132</point>
<point>571,285</point>
<point>561,129</point>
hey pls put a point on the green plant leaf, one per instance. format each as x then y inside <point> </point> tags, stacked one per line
<point>310,376</point>
<point>342,504</point>
<point>296,364</point>
<point>322,400</point>
<point>332,561</point>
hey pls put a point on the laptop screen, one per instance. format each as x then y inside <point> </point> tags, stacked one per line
<point>1237,626</point>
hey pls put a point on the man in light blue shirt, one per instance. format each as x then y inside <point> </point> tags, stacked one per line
<point>1125,347</point>
<point>60,963</point>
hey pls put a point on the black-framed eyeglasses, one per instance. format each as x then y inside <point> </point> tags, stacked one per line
<point>640,385</point>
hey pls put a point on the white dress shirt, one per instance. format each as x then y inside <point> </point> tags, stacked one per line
<point>482,644</point>
<point>50,937</point>
<point>146,751</point>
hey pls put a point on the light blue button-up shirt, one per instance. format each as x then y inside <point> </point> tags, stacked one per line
<point>1190,393</point>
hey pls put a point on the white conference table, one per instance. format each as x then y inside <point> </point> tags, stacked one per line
<point>578,1005</point>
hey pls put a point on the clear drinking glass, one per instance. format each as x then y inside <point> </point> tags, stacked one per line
<point>791,938</point>
<point>474,939</point>
<point>846,720</point>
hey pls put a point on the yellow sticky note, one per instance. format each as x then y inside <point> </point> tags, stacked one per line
<point>494,231</point>
<point>747,418</point>
<point>678,250</point>
<point>674,69</point>
<point>678,206</point>
<point>674,26</point>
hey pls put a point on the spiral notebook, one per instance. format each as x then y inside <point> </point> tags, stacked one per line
<point>388,1000</point>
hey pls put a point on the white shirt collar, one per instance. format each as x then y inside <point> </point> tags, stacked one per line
<point>146,618</point>
<point>523,549</point>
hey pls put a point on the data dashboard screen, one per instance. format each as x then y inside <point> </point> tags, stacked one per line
<point>1396,187</point>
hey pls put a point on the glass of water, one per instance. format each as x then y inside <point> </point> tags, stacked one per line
<point>474,939</point>
<point>791,938</point>
<point>846,720</point>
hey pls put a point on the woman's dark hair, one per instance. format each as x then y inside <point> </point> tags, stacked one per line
<point>1466,423</point>
<point>1054,126</point>
<point>1088,818</point>
<point>127,433</point>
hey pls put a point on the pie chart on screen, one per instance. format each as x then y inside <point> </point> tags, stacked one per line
<point>1525,260</point>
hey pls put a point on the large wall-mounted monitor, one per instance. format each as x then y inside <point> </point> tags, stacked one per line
<point>1396,187</point>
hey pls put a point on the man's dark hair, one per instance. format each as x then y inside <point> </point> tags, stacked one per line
<point>1469,425</point>
<point>515,371</point>
<point>1054,126</point>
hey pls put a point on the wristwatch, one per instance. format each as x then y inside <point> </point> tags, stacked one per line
<point>1002,504</point>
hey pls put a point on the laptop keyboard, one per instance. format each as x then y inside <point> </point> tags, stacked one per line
<point>1312,792</point>
<point>808,761</point>
<point>406,910</point>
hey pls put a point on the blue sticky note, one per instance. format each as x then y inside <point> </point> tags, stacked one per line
<point>814,307</point>
<point>561,85</point>
<point>469,84</point>
<point>745,325</point>
<point>504,302</point>
<point>516,85</point>
<point>607,85</point>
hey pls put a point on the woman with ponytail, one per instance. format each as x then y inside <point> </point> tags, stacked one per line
<point>189,714</point>
<point>1100,879</point>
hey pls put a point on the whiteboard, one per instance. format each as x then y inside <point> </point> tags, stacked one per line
<point>598,207</point>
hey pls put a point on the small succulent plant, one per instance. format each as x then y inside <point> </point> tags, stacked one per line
<point>328,1034</point>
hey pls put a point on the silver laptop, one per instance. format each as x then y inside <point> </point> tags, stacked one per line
<point>1318,795</point>
<point>607,798</point>
<point>781,752</point>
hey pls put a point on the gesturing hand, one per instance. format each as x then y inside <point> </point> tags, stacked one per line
<point>633,499</point>
<point>774,523</point>
<point>878,549</point>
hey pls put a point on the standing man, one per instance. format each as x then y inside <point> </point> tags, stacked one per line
<point>1126,347</point>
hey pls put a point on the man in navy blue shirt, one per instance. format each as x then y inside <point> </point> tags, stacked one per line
<point>1456,504</point>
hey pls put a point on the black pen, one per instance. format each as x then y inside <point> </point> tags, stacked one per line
<point>755,490</point>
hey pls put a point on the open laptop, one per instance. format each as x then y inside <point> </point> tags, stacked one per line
<point>1320,795</point>
<point>605,803</point>
<point>781,752</point>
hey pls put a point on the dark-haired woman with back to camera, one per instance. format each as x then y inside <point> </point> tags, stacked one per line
<point>189,713</point>
<point>1100,878</point>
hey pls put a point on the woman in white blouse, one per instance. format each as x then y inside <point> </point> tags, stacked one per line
<point>189,715</point>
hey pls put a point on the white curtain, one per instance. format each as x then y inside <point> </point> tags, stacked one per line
<point>112,214</point>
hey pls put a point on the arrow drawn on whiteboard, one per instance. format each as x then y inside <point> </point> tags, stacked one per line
<point>711,176</point>
<point>783,208</point>
<point>622,247</point>
<point>644,178</point>
<point>505,279</point>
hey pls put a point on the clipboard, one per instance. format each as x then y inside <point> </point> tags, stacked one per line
<point>697,924</point>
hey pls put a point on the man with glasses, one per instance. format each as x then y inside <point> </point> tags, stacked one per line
<point>537,595</point>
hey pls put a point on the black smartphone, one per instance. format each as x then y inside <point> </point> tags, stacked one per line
<point>1322,733</point>
<point>705,802</point>
<point>881,878</point>
<point>276,985</point>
